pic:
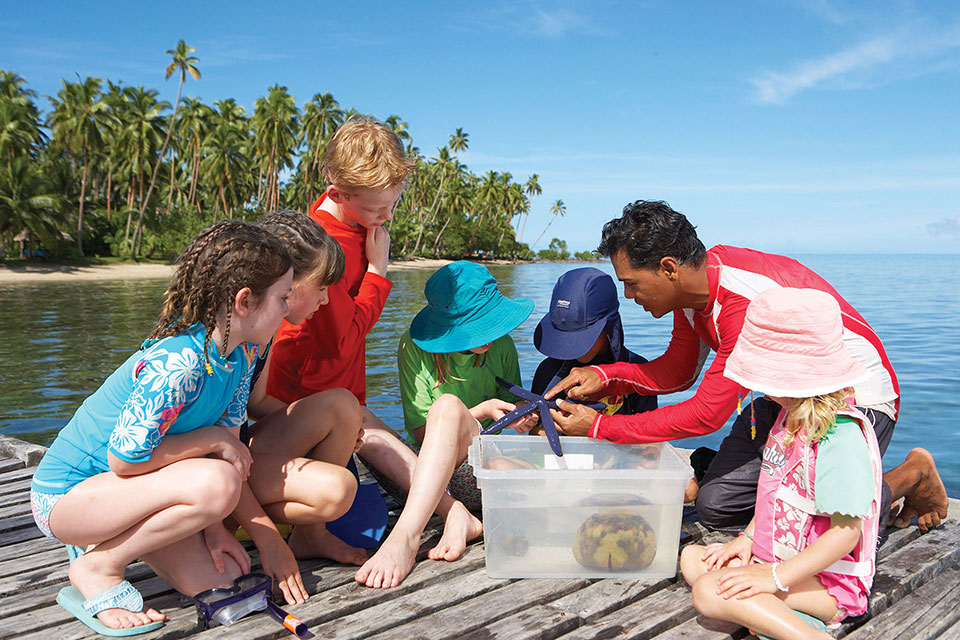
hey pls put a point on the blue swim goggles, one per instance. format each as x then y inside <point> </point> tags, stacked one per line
<point>250,592</point>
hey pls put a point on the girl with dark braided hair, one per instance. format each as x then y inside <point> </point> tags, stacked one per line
<point>150,464</point>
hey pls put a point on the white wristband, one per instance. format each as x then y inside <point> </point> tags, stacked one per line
<point>776,580</point>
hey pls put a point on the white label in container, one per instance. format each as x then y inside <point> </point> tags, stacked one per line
<point>568,461</point>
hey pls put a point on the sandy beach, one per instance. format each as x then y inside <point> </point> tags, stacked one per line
<point>33,273</point>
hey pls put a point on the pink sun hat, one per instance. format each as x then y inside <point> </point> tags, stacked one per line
<point>791,345</point>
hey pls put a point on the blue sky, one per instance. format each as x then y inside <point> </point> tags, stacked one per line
<point>794,126</point>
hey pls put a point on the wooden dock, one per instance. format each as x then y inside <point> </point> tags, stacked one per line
<point>916,593</point>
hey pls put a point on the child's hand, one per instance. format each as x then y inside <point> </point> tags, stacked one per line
<point>492,409</point>
<point>279,563</point>
<point>746,581</point>
<point>359,443</point>
<point>526,423</point>
<point>220,543</point>
<point>736,553</point>
<point>230,449</point>
<point>378,250</point>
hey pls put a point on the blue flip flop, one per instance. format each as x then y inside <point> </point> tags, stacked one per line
<point>121,596</point>
<point>813,621</point>
<point>365,522</point>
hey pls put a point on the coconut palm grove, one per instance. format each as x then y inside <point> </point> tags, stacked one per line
<point>111,170</point>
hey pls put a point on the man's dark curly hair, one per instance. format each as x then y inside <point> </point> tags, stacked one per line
<point>648,231</point>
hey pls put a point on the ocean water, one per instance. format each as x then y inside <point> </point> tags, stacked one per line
<point>59,341</point>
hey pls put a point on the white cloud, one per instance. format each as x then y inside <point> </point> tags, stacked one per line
<point>543,20</point>
<point>907,52</point>
<point>945,227</point>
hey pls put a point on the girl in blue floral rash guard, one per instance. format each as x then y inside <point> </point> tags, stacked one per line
<point>150,464</point>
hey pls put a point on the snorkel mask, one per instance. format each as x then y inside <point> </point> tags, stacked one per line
<point>250,592</point>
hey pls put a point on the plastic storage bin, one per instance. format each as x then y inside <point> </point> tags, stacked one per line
<point>601,510</point>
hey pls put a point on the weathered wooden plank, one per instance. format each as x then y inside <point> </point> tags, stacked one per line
<point>15,488</point>
<point>537,623</point>
<point>953,633</point>
<point>17,505</point>
<point>18,522</point>
<point>703,628</point>
<point>409,608</point>
<point>485,609</point>
<point>17,475</point>
<point>562,615</point>
<point>604,596</point>
<point>33,562</point>
<point>642,619</point>
<point>30,547</point>
<point>920,615</point>
<point>11,464</point>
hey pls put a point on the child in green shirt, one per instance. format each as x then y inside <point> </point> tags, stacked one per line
<point>447,362</point>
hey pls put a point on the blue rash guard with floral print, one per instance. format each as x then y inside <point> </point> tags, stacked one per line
<point>162,389</point>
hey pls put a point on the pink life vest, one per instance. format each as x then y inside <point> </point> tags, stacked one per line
<point>786,519</point>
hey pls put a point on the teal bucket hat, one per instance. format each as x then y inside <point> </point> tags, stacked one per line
<point>465,310</point>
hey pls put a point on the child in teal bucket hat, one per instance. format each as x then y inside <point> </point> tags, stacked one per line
<point>447,361</point>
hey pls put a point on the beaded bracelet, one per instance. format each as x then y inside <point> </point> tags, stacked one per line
<point>745,535</point>
<point>776,580</point>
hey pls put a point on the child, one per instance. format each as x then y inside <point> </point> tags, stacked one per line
<point>583,329</point>
<point>447,361</point>
<point>366,168</point>
<point>299,450</point>
<point>811,545</point>
<point>148,466</point>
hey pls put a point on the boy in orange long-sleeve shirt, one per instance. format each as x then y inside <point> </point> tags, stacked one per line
<point>366,168</point>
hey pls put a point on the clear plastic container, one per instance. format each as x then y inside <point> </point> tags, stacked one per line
<point>602,510</point>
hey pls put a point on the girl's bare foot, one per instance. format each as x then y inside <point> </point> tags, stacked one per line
<point>927,498</point>
<point>459,528</point>
<point>314,541</point>
<point>90,579</point>
<point>391,563</point>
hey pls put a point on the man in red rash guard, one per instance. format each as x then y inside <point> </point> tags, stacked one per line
<point>665,268</point>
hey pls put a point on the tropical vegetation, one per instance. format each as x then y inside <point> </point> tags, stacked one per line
<point>112,169</point>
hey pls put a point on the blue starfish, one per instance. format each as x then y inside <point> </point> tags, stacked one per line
<point>535,403</point>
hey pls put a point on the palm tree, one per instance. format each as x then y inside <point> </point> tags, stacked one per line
<point>557,209</point>
<point>140,134</point>
<point>19,118</point>
<point>222,164</point>
<point>531,188</point>
<point>27,201</point>
<point>276,120</point>
<point>184,62</point>
<point>321,117</point>
<point>78,120</point>
<point>399,127</point>
<point>195,120</point>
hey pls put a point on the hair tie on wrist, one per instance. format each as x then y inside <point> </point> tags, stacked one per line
<point>776,580</point>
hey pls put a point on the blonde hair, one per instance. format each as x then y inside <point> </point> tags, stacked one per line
<point>365,154</point>
<point>814,416</point>
<point>441,367</point>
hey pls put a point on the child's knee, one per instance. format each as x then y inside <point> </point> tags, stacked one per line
<point>448,407</point>
<point>218,484</point>
<point>691,562</point>
<point>705,598</point>
<point>339,489</point>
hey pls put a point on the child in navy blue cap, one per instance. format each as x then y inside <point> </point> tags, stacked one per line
<point>583,328</point>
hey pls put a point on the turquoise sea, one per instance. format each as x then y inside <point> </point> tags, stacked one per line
<point>60,340</point>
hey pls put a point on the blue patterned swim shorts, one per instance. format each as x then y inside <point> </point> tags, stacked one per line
<point>42,504</point>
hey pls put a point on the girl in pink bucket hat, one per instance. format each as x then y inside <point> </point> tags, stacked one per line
<point>808,556</point>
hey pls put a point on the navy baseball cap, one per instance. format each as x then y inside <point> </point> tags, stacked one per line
<point>583,302</point>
